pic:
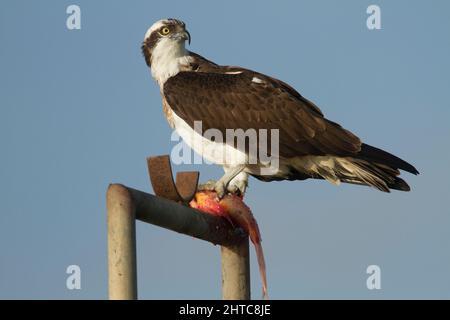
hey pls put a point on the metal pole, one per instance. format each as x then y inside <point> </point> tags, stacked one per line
<point>121,244</point>
<point>125,205</point>
<point>236,271</point>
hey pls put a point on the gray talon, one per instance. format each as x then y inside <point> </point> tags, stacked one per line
<point>220,189</point>
<point>212,185</point>
<point>238,188</point>
<point>207,186</point>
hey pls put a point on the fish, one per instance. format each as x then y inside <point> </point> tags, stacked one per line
<point>232,208</point>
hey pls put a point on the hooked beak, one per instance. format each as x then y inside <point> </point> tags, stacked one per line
<point>182,35</point>
<point>187,36</point>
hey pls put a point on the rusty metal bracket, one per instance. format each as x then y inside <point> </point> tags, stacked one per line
<point>161,178</point>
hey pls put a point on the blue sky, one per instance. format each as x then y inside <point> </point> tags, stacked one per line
<point>78,110</point>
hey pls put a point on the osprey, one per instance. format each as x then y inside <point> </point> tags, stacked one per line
<point>225,97</point>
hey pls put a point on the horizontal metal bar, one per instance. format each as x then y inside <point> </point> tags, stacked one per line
<point>180,218</point>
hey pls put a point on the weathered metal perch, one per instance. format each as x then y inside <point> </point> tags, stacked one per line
<point>161,178</point>
<point>125,205</point>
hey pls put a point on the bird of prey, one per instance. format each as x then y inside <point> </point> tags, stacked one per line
<point>227,97</point>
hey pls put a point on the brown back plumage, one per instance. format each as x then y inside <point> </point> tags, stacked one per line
<point>226,101</point>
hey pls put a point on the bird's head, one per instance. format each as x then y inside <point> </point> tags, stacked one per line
<point>165,37</point>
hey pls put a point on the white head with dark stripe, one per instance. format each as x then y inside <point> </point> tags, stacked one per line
<point>164,48</point>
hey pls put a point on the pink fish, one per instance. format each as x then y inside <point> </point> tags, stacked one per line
<point>233,208</point>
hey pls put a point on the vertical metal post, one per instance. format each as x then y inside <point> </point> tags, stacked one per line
<point>121,244</point>
<point>236,271</point>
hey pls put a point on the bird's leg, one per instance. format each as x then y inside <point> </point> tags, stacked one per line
<point>222,183</point>
<point>220,186</point>
<point>238,184</point>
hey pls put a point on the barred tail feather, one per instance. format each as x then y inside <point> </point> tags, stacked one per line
<point>376,175</point>
<point>381,172</point>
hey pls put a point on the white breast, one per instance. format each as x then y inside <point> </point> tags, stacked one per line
<point>214,152</point>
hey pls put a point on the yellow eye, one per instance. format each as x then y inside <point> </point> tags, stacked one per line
<point>165,31</point>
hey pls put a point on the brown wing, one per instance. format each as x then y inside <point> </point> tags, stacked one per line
<point>230,101</point>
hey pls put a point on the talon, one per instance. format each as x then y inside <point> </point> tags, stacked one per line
<point>216,186</point>
<point>238,188</point>
<point>207,186</point>
<point>220,189</point>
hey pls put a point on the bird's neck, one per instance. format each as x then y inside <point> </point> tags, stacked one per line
<point>168,58</point>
